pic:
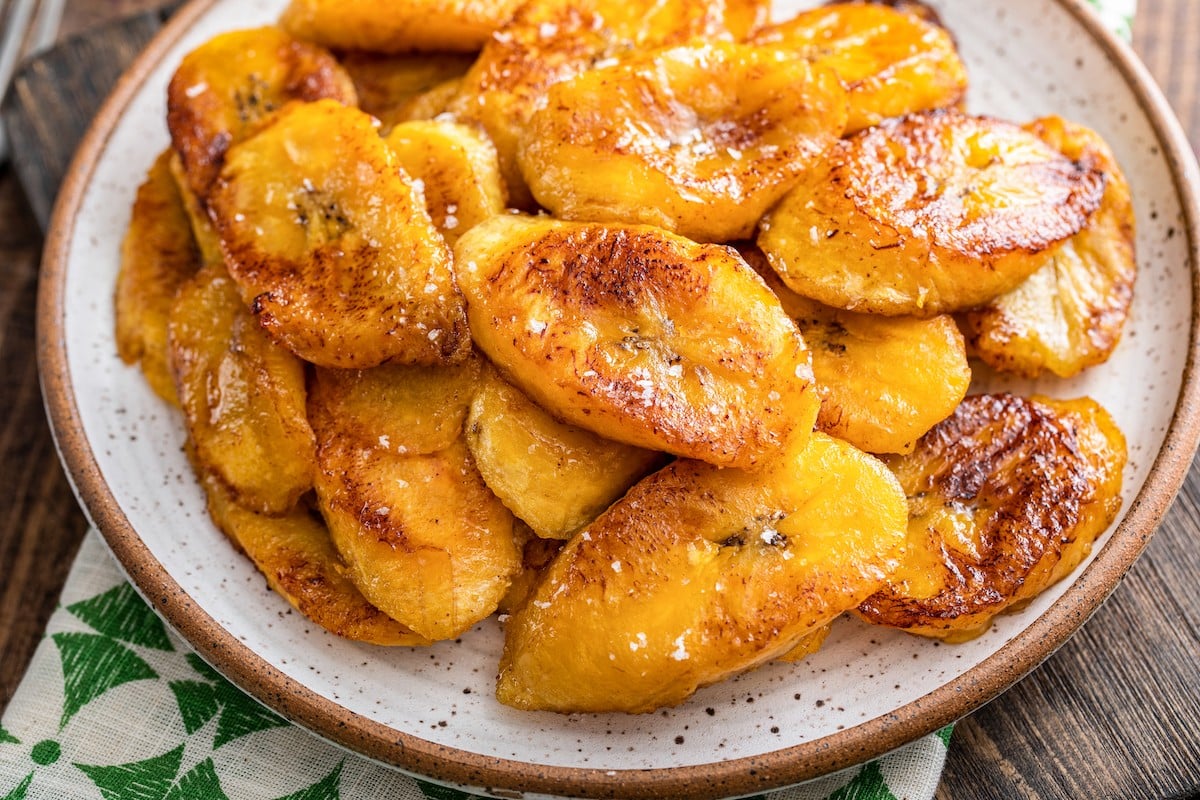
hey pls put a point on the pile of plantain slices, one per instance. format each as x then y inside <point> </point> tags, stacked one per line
<point>642,323</point>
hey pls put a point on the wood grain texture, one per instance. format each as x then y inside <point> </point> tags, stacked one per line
<point>40,523</point>
<point>1113,714</point>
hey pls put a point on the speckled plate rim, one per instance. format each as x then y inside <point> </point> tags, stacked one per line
<point>779,768</point>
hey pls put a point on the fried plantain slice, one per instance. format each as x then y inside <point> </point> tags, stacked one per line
<point>411,410</point>
<point>386,27</point>
<point>205,235</point>
<point>891,61</point>
<point>295,555</point>
<point>388,85</point>
<point>330,242</point>
<point>883,381</point>
<point>224,87</point>
<point>1068,315</point>
<point>536,556</point>
<point>1005,498</point>
<point>701,139</point>
<point>554,477</point>
<point>927,214</point>
<point>639,335</point>
<point>158,255</point>
<point>243,396</point>
<point>808,644</point>
<point>432,103</point>
<point>699,573</point>
<point>422,536</point>
<point>458,169</point>
<point>548,41</point>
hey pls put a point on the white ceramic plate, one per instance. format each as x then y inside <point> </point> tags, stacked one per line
<point>432,711</point>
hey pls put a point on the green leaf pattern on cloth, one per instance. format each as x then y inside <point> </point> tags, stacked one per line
<point>324,789</point>
<point>120,614</point>
<point>92,664</point>
<point>150,779</point>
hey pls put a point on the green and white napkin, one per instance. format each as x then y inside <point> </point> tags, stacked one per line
<point>115,707</point>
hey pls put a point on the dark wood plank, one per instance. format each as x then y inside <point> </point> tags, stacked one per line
<point>40,523</point>
<point>54,97</point>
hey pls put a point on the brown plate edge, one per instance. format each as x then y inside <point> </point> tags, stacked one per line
<point>747,775</point>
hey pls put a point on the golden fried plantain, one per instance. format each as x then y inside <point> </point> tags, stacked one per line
<point>698,139</point>
<point>158,255</point>
<point>224,87</point>
<point>422,536</point>
<point>411,410</point>
<point>330,242</point>
<point>387,27</point>
<point>243,396</point>
<point>537,554</point>
<point>1068,315</point>
<point>458,168</point>
<point>1005,498</point>
<point>203,232</point>
<point>554,477</point>
<point>891,61</point>
<point>432,103</point>
<point>639,335</point>
<point>295,555</point>
<point>699,573</point>
<point>883,381</point>
<point>808,644</point>
<point>387,85</point>
<point>548,41</point>
<point>927,214</point>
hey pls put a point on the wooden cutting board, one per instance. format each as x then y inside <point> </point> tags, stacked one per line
<point>1114,714</point>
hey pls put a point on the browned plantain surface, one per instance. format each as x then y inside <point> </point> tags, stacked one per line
<point>411,410</point>
<point>548,41</point>
<point>158,255</point>
<point>883,381</point>
<point>388,85</point>
<point>891,61</point>
<point>422,536</point>
<point>640,336</point>
<point>1005,498</point>
<point>222,89</point>
<point>243,396</point>
<point>330,242</point>
<point>388,27</point>
<point>295,555</point>
<point>1069,314</point>
<point>699,573</point>
<point>927,214</point>
<point>458,170</point>
<point>554,477</point>
<point>699,139</point>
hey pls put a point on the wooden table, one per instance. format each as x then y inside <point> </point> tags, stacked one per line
<point>1114,714</point>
